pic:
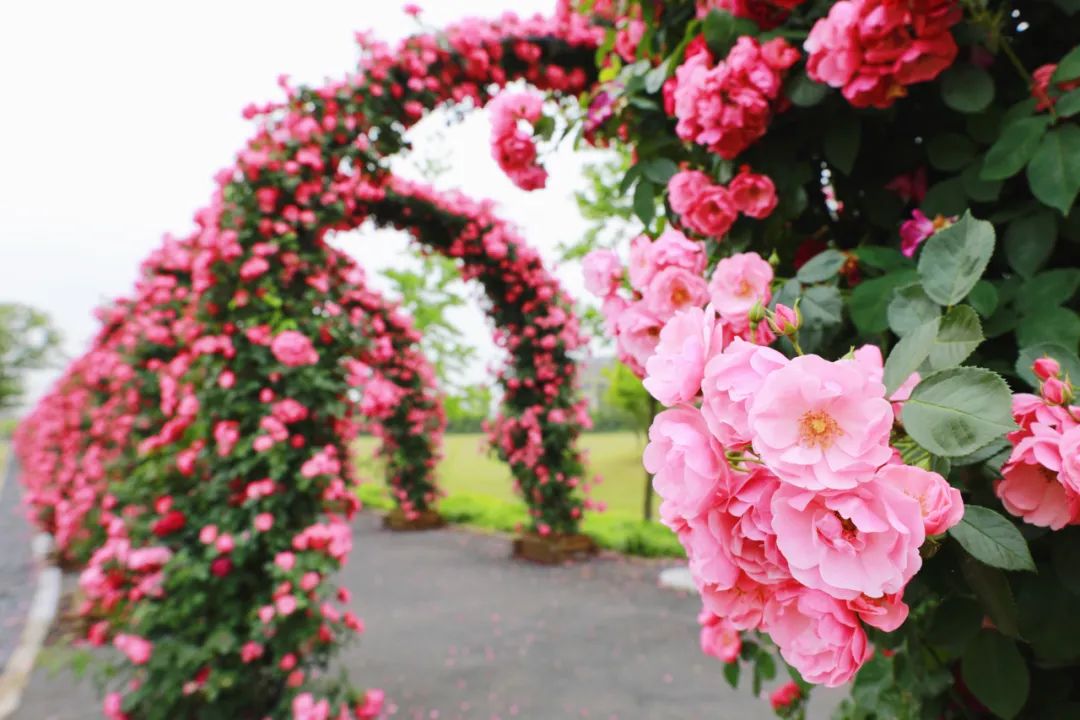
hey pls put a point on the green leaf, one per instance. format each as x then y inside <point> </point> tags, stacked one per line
<point>1054,324</point>
<point>991,539</point>
<point>947,197</point>
<point>804,92</point>
<point>1029,241</point>
<point>882,258</point>
<point>644,202</point>
<point>841,144</point>
<point>959,333</point>
<point>1068,104</point>
<point>822,310</point>
<point>1054,171</point>
<point>967,88</point>
<point>993,591</point>
<point>910,307</point>
<point>953,259</point>
<point>1070,363</point>
<point>976,188</point>
<point>956,622</point>
<point>955,412</point>
<point>655,78</point>
<point>873,679</point>
<point>869,302</point>
<point>984,298</point>
<point>720,31</point>
<point>1068,68</point>
<point>629,178</point>
<point>909,354</point>
<point>1014,148</point>
<point>731,673</point>
<point>950,151</point>
<point>995,672</point>
<point>823,266</point>
<point>660,170</point>
<point>1053,287</point>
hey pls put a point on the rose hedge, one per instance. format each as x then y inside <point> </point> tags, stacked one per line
<point>897,178</point>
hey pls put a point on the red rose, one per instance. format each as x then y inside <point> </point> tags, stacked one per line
<point>169,523</point>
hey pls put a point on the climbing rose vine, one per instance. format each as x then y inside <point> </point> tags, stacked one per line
<point>859,252</point>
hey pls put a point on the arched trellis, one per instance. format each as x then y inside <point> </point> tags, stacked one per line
<point>235,613</point>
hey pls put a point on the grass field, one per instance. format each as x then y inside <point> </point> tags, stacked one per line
<point>466,469</point>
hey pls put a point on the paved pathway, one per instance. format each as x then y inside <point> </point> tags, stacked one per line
<point>17,571</point>
<point>457,630</point>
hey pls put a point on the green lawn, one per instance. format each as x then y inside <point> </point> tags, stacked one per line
<point>465,468</point>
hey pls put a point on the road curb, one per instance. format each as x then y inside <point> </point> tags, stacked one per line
<point>43,608</point>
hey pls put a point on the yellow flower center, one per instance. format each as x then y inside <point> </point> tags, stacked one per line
<point>679,296</point>
<point>818,429</point>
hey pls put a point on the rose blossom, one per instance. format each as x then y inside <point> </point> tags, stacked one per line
<point>817,634</point>
<point>673,249</point>
<point>642,263</point>
<point>684,188</point>
<point>638,332</point>
<point>1069,448</point>
<point>752,194</point>
<point>719,638</point>
<point>737,283</point>
<point>673,373</point>
<point>294,349</point>
<point>730,381</point>
<point>603,272</point>
<point>673,289</point>
<point>684,459</point>
<point>940,503</point>
<point>887,612</point>
<point>1032,492</point>
<point>821,425</point>
<point>861,541</point>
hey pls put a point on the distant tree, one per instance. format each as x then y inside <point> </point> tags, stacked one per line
<point>467,407</point>
<point>626,392</point>
<point>28,341</point>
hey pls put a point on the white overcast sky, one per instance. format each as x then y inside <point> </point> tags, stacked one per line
<point>116,115</point>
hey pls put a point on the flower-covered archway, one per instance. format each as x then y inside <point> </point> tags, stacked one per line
<point>231,512</point>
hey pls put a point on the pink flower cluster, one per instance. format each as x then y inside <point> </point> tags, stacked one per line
<point>874,49</point>
<point>665,278</point>
<point>514,148</point>
<point>710,209</point>
<point>1041,479</point>
<point>728,106</point>
<point>798,518</point>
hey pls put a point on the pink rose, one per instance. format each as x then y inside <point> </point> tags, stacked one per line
<point>638,332</point>
<point>821,425</point>
<point>673,249</point>
<point>730,381</point>
<point>684,188</point>
<point>863,541</point>
<point>673,373</point>
<point>685,461</point>
<point>753,195</point>
<point>940,503</point>
<point>1069,448</point>
<point>719,638</point>
<point>743,604</point>
<point>673,289</point>
<point>1032,492</point>
<point>226,434</point>
<point>294,349</point>
<point>737,283</point>
<point>712,213</point>
<point>705,539</point>
<point>642,262</point>
<point>818,635</point>
<point>603,272</point>
<point>885,613</point>
<point>137,649</point>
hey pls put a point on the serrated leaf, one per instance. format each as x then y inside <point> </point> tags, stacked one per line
<point>909,354</point>
<point>955,412</point>
<point>992,539</point>
<point>1047,289</point>
<point>869,302</point>
<point>984,298</point>
<point>823,266</point>
<point>994,593</point>
<point>959,333</point>
<point>995,672</point>
<point>1068,104</point>
<point>910,308</point>
<point>1054,171</point>
<point>660,170</point>
<point>804,92</point>
<point>1053,324</point>
<point>954,258</point>
<point>882,258</point>
<point>1014,148</point>
<point>976,188</point>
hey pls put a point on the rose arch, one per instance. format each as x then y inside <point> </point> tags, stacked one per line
<point>247,344</point>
